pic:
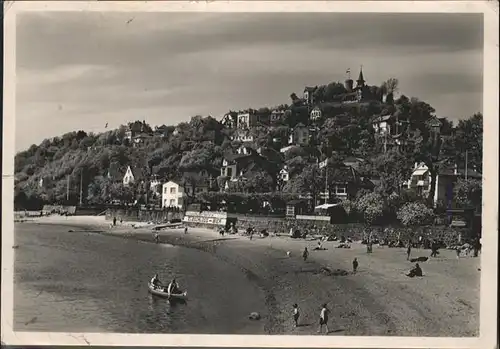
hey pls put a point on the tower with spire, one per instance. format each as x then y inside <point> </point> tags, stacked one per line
<point>360,83</point>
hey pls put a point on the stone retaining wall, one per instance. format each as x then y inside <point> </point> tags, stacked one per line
<point>137,215</point>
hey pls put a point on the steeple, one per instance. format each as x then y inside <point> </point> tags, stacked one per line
<point>361,81</point>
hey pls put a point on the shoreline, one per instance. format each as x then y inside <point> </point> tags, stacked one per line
<point>378,300</point>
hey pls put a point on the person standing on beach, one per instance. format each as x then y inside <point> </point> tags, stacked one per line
<point>157,238</point>
<point>305,254</point>
<point>408,251</point>
<point>323,319</point>
<point>185,230</point>
<point>355,265</point>
<point>114,221</point>
<point>296,314</point>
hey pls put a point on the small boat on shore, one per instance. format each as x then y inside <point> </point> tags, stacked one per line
<point>162,292</point>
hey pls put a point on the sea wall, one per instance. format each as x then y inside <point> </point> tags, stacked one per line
<point>321,225</point>
<point>141,215</point>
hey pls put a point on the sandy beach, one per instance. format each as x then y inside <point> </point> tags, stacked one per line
<point>378,300</point>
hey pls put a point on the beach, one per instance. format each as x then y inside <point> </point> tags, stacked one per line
<point>377,300</point>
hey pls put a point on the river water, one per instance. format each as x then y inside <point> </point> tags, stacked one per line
<point>86,282</point>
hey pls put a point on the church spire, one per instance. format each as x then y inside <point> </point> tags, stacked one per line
<point>361,81</point>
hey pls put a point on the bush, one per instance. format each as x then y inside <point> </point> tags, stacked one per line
<point>415,213</point>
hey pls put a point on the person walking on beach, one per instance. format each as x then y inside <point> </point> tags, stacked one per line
<point>114,221</point>
<point>296,315</point>
<point>185,230</point>
<point>434,249</point>
<point>323,319</point>
<point>355,265</point>
<point>305,254</point>
<point>157,238</point>
<point>408,251</point>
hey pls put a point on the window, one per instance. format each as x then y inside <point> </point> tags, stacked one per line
<point>172,202</point>
<point>229,171</point>
<point>172,190</point>
<point>341,190</point>
<point>165,190</point>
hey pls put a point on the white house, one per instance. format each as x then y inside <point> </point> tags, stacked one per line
<point>316,114</point>
<point>420,181</point>
<point>172,195</point>
<point>284,174</point>
<point>129,177</point>
<point>382,124</point>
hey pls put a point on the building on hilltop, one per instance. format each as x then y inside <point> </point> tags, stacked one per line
<point>359,93</point>
<point>247,119</point>
<point>299,135</point>
<point>277,116</point>
<point>140,139</point>
<point>308,94</point>
<point>133,175</point>
<point>243,135</point>
<point>316,114</point>
<point>230,120</point>
<point>163,131</point>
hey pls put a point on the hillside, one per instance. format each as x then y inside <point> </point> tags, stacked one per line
<point>195,150</point>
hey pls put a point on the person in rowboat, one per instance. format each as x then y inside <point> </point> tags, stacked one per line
<point>173,287</point>
<point>155,281</point>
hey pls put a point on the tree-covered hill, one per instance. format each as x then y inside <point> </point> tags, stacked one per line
<point>94,164</point>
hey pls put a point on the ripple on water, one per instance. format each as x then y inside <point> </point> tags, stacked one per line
<point>80,282</point>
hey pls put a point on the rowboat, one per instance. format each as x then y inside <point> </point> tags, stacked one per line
<point>161,292</point>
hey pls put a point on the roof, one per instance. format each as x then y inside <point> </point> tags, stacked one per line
<point>361,77</point>
<point>461,173</point>
<point>296,201</point>
<point>353,159</point>
<point>299,125</point>
<point>310,89</point>
<point>382,118</point>
<point>326,206</point>
<point>138,172</point>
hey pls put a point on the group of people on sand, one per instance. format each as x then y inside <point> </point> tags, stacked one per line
<point>323,317</point>
<point>172,288</point>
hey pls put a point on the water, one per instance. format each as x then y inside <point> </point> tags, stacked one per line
<point>86,282</point>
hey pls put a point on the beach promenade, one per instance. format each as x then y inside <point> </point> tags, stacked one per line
<point>378,300</point>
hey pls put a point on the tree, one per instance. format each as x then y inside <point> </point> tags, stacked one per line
<point>415,213</point>
<point>371,206</point>
<point>393,168</point>
<point>468,137</point>
<point>468,192</point>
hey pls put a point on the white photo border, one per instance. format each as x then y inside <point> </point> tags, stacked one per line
<point>488,290</point>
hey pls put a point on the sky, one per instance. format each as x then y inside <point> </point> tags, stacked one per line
<point>81,70</point>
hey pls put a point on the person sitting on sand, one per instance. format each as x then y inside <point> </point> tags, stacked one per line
<point>417,271</point>
<point>173,287</point>
<point>155,281</point>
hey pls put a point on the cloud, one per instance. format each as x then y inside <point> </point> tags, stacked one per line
<point>76,69</point>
